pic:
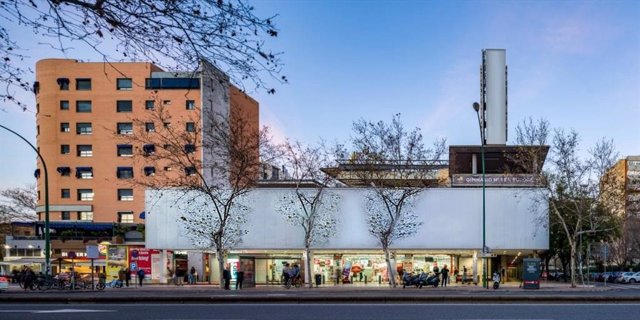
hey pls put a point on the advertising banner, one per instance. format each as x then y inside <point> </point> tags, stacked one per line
<point>531,274</point>
<point>140,258</point>
<point>116,259</point>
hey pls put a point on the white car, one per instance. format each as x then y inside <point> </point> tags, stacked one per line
<point>630,277</point>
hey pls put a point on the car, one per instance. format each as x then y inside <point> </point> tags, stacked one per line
<point>620,279</point>
<point>4,283</point>
<point>634,277</point>
<point>613,277</point>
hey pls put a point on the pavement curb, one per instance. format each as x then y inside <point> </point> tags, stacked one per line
<point>321,299</point>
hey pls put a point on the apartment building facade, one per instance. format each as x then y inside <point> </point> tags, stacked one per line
<point>88,115</point>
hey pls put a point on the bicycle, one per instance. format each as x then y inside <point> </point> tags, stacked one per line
<point>295,282</point>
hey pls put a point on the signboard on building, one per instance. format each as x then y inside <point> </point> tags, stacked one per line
<point>495,180</point>
<point>141,258</point>
<point>116,259</point>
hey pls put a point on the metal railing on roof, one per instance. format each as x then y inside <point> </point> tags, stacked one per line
<point>351,164</point>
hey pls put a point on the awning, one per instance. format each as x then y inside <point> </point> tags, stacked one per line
<point>94,226</point>
<point>142,215</point>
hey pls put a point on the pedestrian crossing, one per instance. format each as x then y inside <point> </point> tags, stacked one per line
<point>621,286</point>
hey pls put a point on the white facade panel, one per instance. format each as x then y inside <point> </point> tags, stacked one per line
<point>452,219</point>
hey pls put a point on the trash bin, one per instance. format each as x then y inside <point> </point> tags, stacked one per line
<point>318,280</point>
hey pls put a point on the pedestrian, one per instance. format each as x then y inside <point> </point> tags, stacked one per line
<point>192,275</point>
<point>239,279</point>
<point>122,277</point>
<point>127,276</point>
<point>502,275</point>
<point>285,273</point>
<point>464,274</point>
<point>29,276</point>
<point>180,277</point>
<point>445,275</point>
<point>226,275</point>
<point>140,276</point>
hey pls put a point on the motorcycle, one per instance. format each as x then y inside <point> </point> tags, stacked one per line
<point>420,280</point>
<point>496,280</point>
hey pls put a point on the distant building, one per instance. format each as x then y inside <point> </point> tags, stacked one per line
<point>83,108</point>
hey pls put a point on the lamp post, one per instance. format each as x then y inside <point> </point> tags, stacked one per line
<point>476,107</point>
<point>47,240</point>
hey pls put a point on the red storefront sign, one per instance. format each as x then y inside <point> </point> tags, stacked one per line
<point>141,259</point>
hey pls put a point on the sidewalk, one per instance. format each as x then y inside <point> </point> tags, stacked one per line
<point>203,293</point>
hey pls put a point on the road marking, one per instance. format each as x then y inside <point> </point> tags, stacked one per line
<point>70,311</point>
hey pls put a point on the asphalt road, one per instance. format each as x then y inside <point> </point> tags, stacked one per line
<point>322,311</point>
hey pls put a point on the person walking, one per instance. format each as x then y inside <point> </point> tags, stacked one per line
<point>122,277</point>
<point>226,275</point>
<point>140,276</point>
<point>464,274</point>
<point>445,275</point>
<point>192,275</point>
<point>239,279</point>
<point>127,276</point>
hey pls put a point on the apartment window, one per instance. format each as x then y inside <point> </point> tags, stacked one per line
<point>125,128</point>
<point>125,194</point>
<point>166,102</point>
<point>190,171</point>
<point>64,105</point>
<point>64,171</point>
<point>84,150</point>
<point>38,130</point>
<point>167,168</point>
<point>148,105</point>
<point>191,127</point>
<point>167,124</point>
<point>36,87</point>
<point>85,194</point>
<point>191,105</point>
<point>83,106</point>
<point>64,127</point>
<point>83,84</point>
<point>124,172</point>
<point>65,215</point>
<point>125,217</point>
<point>124,84</point>
<point>65,149</point>
<point>65,193</point>
<point>124,106</point>
<point>149,171</point>
<point>150,127</point>
<point>149,149</point>
<point>84,128</point>
<point>84,172</point>
<point>85,215</point>
<point>63,83</point>
<point>189,148</point>
<point>125,150</point>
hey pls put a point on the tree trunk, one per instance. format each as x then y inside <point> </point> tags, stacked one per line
<point>390,270</point>
<point>572,258</point>
<point>220,257</point>
<point>307,267</point>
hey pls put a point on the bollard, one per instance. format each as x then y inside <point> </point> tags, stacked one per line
<point>365,279</point>
<point>379,279</point>
<point>323,279</point>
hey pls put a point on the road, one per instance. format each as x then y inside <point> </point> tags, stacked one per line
<point>321,311</point>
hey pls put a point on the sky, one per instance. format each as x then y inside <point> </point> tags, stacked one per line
<point>573,63</point>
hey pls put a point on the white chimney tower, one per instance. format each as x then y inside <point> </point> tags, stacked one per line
<point>493,96</point>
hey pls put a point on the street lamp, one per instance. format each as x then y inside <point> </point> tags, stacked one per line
<point>47,240</point>
<point>476,107</point>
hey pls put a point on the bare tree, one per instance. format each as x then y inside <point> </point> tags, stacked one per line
<point>172,34</point>
<point>310,206</point>
<point>572,192</point>
<point>212,160</point>
<point>18,204</point>
<point>397,166</point>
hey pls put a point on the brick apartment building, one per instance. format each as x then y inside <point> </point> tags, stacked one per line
<point>86,111</point>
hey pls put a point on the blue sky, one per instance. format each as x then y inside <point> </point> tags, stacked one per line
<point>574,63</point>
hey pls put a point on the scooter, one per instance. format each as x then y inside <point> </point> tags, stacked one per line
<point>431,280</point>
<point>496,280</point>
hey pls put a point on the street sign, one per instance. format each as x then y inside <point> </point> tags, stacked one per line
<point>133,266</point>
<point>93,252</point>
